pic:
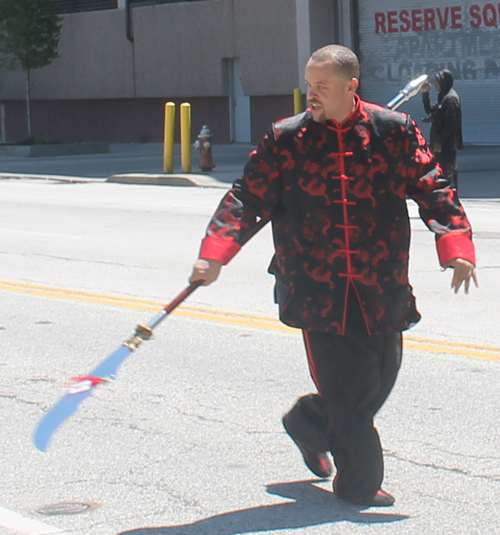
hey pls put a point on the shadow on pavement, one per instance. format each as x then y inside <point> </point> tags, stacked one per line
<point>312,506</point>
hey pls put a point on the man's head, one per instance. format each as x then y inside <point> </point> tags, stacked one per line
<point>332,74</point>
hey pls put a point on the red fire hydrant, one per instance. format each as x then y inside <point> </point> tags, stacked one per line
<point>205,147</point>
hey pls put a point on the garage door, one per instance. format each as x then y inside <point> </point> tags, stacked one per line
<point>399,40</point>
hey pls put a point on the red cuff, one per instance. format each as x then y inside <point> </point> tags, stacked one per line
<point>219,249</point>
<point>455,244</point>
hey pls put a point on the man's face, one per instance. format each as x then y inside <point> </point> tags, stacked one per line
<point>329,95</point>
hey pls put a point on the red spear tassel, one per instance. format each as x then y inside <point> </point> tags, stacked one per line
<point>78,385</point>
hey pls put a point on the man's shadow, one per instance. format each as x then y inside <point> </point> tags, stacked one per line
<point>312,506</point>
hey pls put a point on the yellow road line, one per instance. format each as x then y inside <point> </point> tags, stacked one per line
<point>243,320</point>
<point>436,347</point>
<point>455,344</point>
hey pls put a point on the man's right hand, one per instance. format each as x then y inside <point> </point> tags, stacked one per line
<point>206,271</point>
<point>425,87</point>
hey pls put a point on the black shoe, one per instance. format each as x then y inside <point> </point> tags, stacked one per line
<point>381,499</point>
<point>318,462</point>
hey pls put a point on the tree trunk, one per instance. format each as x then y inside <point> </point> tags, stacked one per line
<point>28,102</point>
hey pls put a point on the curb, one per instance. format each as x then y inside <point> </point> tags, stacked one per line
<point>56,178</point>
<point>185,180</point>
<point>200,181</point>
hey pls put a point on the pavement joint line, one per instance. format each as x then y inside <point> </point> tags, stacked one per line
<point>26,526</point>
<point>477,351</point>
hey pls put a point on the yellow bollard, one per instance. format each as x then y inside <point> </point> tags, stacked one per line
<point>297,101</point>
<point>186,137</point>
<point>168,138</point>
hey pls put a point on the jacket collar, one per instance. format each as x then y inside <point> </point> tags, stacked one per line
<point>349,121</point>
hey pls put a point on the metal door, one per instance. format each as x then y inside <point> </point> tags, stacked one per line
<point>239,113</point>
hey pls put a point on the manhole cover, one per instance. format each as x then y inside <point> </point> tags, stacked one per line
<point>66,508</point>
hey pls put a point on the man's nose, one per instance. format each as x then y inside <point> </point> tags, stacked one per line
<point>311,94</point>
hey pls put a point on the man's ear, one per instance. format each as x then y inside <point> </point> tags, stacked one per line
<point>353,85</point>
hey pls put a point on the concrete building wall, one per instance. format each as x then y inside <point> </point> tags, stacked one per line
<point>322,23</point>
<point>177,52</point>
<point>266,39</point>
<point>95,62</point>
<point>194,38</point>
<point>103,87</point>
<point>112,120</point>
<point>178,48</point>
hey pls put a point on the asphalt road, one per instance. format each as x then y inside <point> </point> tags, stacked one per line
<point>188,439</point>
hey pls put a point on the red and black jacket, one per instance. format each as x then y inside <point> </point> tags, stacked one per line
<point>336,197</point>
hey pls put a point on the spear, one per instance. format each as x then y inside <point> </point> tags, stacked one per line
<point>410,90</point>
<point>82,387</point>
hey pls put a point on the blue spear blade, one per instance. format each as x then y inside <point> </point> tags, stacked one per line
<point>84,386</point>
<point>70,402</point>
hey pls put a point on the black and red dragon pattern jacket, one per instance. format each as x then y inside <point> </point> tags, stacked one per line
<point>336,197</point>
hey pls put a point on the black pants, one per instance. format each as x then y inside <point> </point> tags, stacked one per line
<point>448,162</point>
<point>354,373</point>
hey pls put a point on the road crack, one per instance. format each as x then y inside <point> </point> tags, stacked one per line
<point>451,470</point>
<point>20,400</point>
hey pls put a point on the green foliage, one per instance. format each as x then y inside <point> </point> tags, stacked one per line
<point>29,33</point>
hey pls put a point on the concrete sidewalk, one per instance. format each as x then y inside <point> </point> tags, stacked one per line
<point>479,167</point>
<point>132,163</point>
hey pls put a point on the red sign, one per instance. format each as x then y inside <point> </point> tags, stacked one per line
<point>439,18</point>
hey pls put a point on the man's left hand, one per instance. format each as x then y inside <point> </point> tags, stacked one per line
<point>463,271</point>
<point>437,148</point>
